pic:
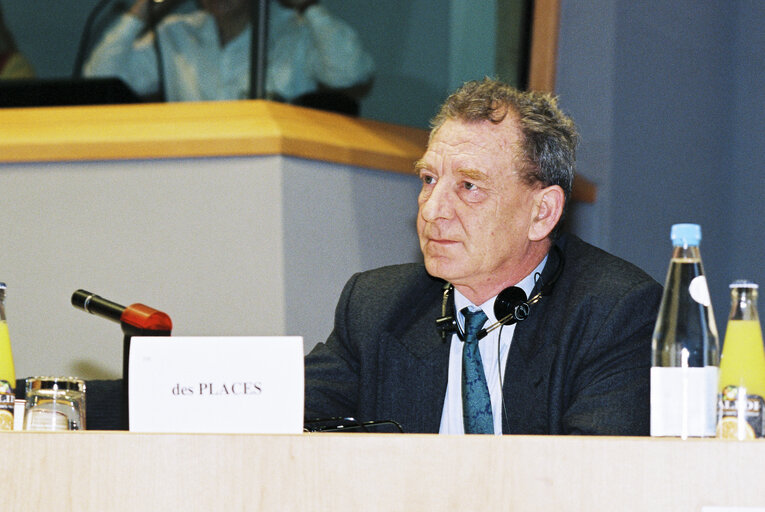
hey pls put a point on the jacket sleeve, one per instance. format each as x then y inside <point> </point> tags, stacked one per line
<point>609,393</point>
<point>332,368</point>
<point>337,58</point>
<point>121,54</point>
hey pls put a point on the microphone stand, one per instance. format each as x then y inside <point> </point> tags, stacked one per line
<point>85,38</point>
<point>130,331</point>
<point>259,22</point>
<point>153,22</point>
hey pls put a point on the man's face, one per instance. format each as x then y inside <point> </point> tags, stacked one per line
<point>474,210</point>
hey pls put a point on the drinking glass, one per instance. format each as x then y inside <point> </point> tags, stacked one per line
<point>7,400</point>
<point>55,403</point>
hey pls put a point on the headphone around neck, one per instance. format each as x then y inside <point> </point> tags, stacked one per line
<point>511,305</point>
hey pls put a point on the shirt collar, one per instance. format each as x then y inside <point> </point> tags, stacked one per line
<point>526,284</point>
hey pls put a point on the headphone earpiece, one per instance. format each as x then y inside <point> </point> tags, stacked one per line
<point>511,301</point>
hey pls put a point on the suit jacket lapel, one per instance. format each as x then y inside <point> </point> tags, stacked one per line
<point>527,378</point>
<point>416,360</point>
<point>527,373</point>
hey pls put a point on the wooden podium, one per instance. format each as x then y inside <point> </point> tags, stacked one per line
<point>99,471</point>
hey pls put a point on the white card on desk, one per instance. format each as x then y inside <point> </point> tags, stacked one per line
<point>216,384</point>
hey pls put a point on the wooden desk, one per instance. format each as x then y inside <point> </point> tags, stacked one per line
<point>98,471</point>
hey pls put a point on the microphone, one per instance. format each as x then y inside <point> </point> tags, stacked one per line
<point>135,320</point>
<point>446,325</point>
<point>135,316</point>
<point>258,48</point>
<point>82,48</point>
<point>96,305</point>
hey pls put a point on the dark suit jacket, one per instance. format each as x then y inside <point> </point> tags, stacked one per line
<point>580,364</point>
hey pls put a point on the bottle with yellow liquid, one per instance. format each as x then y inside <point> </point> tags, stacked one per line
<point>7,372</point>
<point>741,408</point>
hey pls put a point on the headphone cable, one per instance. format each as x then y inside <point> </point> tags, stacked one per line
<point>506,418</point>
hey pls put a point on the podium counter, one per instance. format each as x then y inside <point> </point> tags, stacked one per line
<point>100,471</point>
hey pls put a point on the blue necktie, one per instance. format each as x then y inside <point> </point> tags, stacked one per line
<point>476,403</point>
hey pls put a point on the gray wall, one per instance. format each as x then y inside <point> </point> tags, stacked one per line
<point>745,223</point>
<point>354,221</point>
<point>240,246</point>
<point>668,96</point>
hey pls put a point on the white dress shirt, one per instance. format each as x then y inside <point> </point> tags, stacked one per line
<point>494,351</point>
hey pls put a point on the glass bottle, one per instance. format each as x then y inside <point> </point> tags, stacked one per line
<point>685,348</point>
<point>740,406</point>
<point>7,372</point>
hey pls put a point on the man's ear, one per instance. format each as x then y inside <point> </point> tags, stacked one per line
<point>547,211</point>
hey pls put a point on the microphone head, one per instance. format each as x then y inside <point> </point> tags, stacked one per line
<point>446,325</point>
<point>95,305</point>
<point>80,299</point>
<point>507,301</point>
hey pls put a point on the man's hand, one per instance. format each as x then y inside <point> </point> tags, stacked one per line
<point>299,5</point>
<point>160,8</point>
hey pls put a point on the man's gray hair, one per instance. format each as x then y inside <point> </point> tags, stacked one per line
<point>549,136</point>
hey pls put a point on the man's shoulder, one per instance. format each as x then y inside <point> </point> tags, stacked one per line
<point>597,269</point>
<point>401,269</point>
<point>396,279</point>
<point>391,296</point>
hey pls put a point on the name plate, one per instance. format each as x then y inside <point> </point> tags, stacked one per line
<point>216,384</point>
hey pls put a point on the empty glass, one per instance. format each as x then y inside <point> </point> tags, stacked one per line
<point>55,403</point>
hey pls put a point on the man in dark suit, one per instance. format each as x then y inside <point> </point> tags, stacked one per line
<point>496,177</point>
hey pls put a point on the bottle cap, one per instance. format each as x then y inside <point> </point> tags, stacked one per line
<point>744,283</point>
<point>685,234</point>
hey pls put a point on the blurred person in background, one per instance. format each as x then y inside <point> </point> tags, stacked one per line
<point>205,55</point>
